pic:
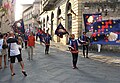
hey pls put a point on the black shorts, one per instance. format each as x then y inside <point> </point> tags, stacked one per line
<point>12,58</point>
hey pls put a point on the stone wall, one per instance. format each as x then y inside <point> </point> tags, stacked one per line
<point>113,48</point>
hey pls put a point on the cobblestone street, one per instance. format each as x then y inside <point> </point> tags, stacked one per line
<point>56,68</point>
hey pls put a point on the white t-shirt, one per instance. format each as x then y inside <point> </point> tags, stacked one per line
<point>14,48</point>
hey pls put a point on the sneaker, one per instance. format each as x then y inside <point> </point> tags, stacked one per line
<point>25,74</point>
<point>12,74</point>
<point>75,67</point>
<point>84,56</point>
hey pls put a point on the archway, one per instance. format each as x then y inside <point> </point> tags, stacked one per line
<point>68,20</point>
<point>52,17</point>
<point>43,23</point>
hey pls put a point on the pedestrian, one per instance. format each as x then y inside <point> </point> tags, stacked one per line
<point>31,45</point>
<point>37,34</point>
<point>73,46</point>
<point>85,40</point>
<point>4,49</point>
<point>40,34</point>
<point>1,44</point>
<point>25,40</point>
<point>14,53</point>
<point>8,34</point>
<point>47,39</point>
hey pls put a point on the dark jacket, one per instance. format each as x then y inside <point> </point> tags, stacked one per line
<point>47,39</point>
<point>74,45</point>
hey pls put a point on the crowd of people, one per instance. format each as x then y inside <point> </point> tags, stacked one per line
<point>83,41</point>
<point>11,44</point>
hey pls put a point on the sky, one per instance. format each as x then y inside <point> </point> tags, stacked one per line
<point>18,8</point>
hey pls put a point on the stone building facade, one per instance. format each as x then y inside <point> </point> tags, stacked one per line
<point>70,14</point>
<point>30,15</point>
<point>36,12</point>
<point>27,17</point>
<point>60,11</point>
<point>7,17</point>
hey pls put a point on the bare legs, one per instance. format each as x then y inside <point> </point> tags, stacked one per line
<point>5,65</point>
<point>30,52</point>
<point>11,68</point>
<point>12,59</point>
<point>22,66</point>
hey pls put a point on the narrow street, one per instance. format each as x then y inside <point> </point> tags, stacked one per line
<point>56,68</point>
<point>93,24</point>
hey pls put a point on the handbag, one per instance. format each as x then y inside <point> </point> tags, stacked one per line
<point>4,46</point>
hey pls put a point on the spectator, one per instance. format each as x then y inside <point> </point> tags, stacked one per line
<point>14,53</point>
<point>31,44</point>
<point>4,49</point>
<point>40,34</point>
<point>25,40</point>
<point>1,44</point>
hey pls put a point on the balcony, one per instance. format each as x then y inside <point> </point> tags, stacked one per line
<point>48,4</point>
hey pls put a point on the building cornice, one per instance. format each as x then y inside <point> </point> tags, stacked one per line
<point>28,9</point>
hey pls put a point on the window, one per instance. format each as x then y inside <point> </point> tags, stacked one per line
<point>44,23</point>
<point>69,16</point>
<point>69,21</point>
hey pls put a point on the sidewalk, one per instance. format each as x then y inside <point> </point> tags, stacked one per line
<point>105,57</point>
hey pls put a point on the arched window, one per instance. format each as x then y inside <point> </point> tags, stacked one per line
<point>52,17</point>
<point>58,14</point>
<point>68,7</point>
<point>44,23</point>
<point>69,16</point>
<point>47,17</point>
<point>59,11</point>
